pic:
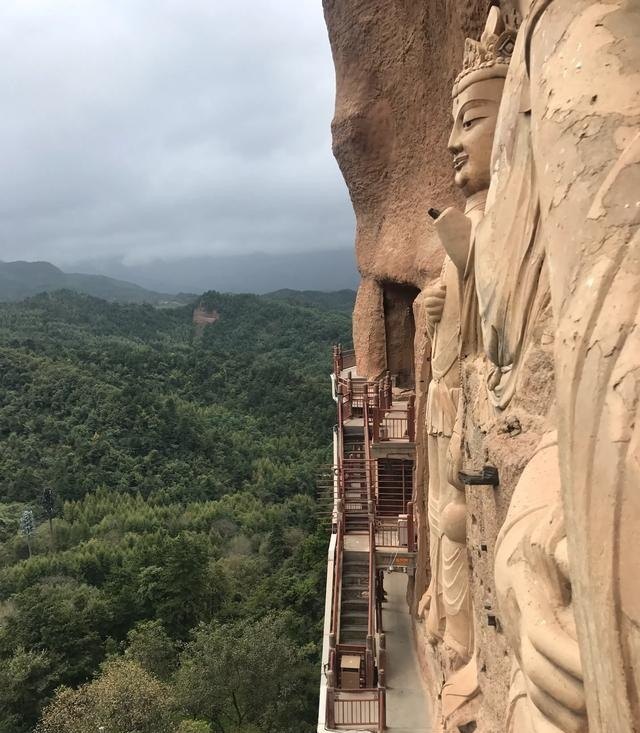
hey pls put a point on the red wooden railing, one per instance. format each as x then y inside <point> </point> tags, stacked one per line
<point>348,358</point>
<point>370,498</point>
<point>390,534</point>
<point>388,425</point>
<point>371,615</point>
<point>343,359</point>
<point>357,708</point>
<point>367,448</point>
<point>352,390</point>
<point>340,444</point>
<point>337,580</point>
<point>411,531</point>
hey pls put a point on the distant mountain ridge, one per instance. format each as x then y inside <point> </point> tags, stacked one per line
<point>259,272</point>
<point>20,280</point>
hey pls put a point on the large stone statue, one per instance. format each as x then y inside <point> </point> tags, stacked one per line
<point>583,60</point>
<point>562,219</point>
<point>450,305</point>
<point>531,573</point>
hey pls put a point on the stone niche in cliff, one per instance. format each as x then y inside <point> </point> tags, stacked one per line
<point>512,308</point>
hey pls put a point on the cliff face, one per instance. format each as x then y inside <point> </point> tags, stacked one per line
<point>395,66</point>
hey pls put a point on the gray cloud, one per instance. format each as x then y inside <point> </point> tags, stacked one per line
<point>143,128</point>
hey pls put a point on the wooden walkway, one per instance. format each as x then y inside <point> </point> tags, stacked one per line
<point>407,703</point>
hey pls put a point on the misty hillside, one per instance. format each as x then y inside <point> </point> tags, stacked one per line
<point>254,273</point>
<point>20,280</point>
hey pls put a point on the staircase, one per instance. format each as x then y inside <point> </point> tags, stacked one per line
<point>355,496</point>
<point>395,487</point>
<point>355,598</point>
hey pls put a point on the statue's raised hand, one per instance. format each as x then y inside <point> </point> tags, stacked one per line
<point>549,653</point>
<point>434,304</point>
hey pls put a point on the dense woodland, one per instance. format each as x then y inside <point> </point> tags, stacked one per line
<point>180,584</point>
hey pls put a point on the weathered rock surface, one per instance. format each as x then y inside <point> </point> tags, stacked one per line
<point>395,64</point>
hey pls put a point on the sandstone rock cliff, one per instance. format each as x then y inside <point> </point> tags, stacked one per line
<point>395,63</point>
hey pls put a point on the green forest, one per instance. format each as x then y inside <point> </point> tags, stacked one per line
<point>162,567</point>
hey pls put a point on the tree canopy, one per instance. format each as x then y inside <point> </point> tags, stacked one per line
<point>186,554</point>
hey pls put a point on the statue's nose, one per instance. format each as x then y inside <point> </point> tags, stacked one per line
<point>454,144</point>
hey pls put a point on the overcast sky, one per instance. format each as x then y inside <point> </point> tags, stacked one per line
<point>163,128</point>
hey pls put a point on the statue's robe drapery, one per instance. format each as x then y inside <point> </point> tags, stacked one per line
<point>576,137</point>
<point>510,277</point>
<point>442,404</point>
<point>583,59</point>
<point>513,296</point>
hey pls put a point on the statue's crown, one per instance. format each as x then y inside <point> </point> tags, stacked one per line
<point>489,57</point>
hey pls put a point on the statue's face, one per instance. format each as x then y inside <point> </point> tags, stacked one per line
<point>475,113</point>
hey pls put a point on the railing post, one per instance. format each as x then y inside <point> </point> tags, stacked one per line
<point>379,600</point>
<point>331,700</point>
<point>376,424</point>
<point>365,409</point>
<point>382,701</point>
<point>369,662</point>
<point>411,540</point>
<point>367,444</point>
<point>411,419</point>
<point>382,654</point>
<point>388,388</point>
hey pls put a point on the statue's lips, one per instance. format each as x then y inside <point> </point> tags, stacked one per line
<point>459,161</point>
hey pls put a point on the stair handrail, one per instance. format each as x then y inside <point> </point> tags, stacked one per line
<point>411,532</point>
<point>371,611</point>
<point>337,580</point>
<point>367,447</point>
<point>411,419</point>
<point>376,410</point>
<point>371,629</point>
<point>340,465</point>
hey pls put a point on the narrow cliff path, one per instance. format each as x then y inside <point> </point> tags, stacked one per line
<point>407,705</point>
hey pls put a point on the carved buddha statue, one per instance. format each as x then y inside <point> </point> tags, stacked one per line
<point>452,316</point>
